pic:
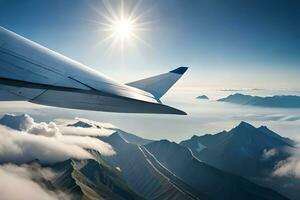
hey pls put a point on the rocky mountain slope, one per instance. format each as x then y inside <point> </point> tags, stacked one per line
<point>143,174</point>
<point>206,179</point>
<point>250,152</point>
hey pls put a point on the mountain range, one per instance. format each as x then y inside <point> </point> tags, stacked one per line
<point>249,152</point>
<point>283,101</point>
<point>204,97</point>
<point>201,168</point>
<point>214,183</point>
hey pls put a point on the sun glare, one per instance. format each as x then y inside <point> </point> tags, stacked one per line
<point>122,26</point>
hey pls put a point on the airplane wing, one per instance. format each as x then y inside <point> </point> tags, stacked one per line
<point>31,72</point>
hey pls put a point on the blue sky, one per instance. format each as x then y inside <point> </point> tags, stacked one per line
<point>227,44</point>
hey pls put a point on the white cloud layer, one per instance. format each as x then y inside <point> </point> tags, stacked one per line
<point>84,127</point>
<point>22,140</point>
<point>17,183</point>
<point>267,154</point>
<point>49,130</point>
<point>290,166</point>
<point>70,130</point>
<point>26,123</point>
<point>44,142</point>
<point>86,142</point>
<point>22,147</point>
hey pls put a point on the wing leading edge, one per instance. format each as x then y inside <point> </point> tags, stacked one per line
<point>31,72</point>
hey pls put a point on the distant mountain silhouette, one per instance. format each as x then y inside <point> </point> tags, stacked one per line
<point>246,151</point>
<point>20,122</point>
<point>81,124</point>
<point>202,97</point>
<point>284,101</point>
<point>206,179</point>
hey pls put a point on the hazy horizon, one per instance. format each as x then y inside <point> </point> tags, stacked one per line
<point>203,116</point>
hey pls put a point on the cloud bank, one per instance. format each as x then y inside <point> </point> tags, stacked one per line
<point>17,183</point>
<point>22,140</point>
<point>27,140</point>
<point>26,123</point>
<point>85,127</point>
<point>240,89</point>
<point>289,167</point>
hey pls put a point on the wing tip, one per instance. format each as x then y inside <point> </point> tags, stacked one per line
<point>179,70</point>
<point>181,113</point>
<point>172,110</point>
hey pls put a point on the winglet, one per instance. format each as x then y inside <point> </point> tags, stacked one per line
<point>160,84</point>
<point>179,70</point>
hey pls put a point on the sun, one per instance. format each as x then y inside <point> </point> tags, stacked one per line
<point>122,27</point>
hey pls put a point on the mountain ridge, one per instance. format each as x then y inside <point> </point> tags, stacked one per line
<point>206,179</point>
<point>277,101</point>
<point>249,152</point>
<point>140,172</point>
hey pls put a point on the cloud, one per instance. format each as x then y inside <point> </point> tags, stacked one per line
<point>83,121</point>
<point>289,167</point>
<point>241,89</point>
<point>89,143</point>
<point>26,123</point>
<point>292,118</point>
<point>268,117</point>
<point>70,130</point>
<point>22,140</point>
<point>44,129</point>
<point>17,183</point>
<point>22,147</point>
<point>267,154</point>
<point>85,127</point>
<point>97,124</point>
<point>44,142</point>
